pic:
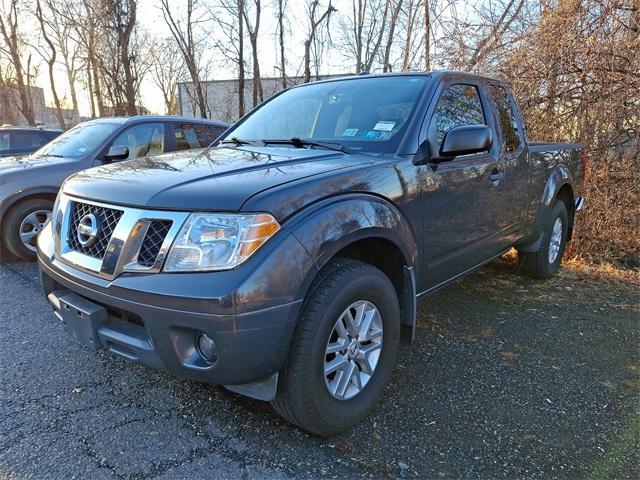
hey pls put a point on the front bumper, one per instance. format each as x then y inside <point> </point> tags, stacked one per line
<point>155,319</point>
<point>250,346</point>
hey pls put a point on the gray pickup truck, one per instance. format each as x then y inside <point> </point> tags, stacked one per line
<point>285,263</point>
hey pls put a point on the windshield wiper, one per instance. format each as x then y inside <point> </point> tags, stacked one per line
<point>300,143</point>
<point>237,141</point>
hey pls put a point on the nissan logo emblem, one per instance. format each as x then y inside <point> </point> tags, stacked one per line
<point>87,230</point>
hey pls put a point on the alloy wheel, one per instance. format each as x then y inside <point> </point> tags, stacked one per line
<point>353,350</point>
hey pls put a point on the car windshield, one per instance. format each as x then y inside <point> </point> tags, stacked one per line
<point>362,114</point>
<point>78,141</point>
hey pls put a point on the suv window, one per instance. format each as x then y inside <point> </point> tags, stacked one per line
<point>458,105</point>
<point>506,118</point>
<point>195,135</point>
<point>142,140</point>
<point>26,140</point>
<point>4,141</point>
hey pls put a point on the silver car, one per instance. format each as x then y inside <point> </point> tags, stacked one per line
<point>29,185</point>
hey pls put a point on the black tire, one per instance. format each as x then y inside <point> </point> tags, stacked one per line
<point>12,222</point>
<point>538,264</point>
<point>303,397</point>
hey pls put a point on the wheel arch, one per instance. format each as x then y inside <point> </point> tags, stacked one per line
<point>367,228</point>
<point>559,186</point>
<point>46,192</point>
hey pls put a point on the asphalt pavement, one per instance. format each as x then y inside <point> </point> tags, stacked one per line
<point>508,378</point>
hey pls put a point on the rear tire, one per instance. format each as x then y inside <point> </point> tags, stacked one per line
<point>309,397</point>
<point>545,263</point>
<point>27,218</point>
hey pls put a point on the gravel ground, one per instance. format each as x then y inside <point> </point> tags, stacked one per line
<point>508,377</point>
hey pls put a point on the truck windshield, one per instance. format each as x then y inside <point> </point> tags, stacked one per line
<point>362,114</point>
<point>78,141</point>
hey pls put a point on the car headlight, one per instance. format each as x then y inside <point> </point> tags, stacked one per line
<point>212,241</point>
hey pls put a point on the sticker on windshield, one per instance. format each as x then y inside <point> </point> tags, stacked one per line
<point>373,135</point>
<point>350,132</point>
<point>384,126</point>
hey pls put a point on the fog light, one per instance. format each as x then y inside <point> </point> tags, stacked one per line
<point>207,347</point>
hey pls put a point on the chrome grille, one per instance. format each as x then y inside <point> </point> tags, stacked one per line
<point>108,218</point>
<point>127,240</point>
<point>150,248</point>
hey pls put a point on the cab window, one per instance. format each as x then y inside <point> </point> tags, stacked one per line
<point>506,118</point>
<point>458,105</point>
<point>145,140</point>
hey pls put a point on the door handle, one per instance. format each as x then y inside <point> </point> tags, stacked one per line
<point>496,177</point>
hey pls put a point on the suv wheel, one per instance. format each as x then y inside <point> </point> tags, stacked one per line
<point>343,350</point>
<point>22,225</point>
<point>545,263</point>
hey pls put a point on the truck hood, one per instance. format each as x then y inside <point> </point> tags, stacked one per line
<point>215,179</point>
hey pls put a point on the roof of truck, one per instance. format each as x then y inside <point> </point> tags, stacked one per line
<point>434,74</point>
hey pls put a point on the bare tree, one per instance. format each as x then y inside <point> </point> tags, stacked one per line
<point>61,27</point>
<point>168,69</point>
<point>183,31</point>
<point>282,5</point>
<point>427,35</point>
<point>228,15</point>
<point>315,22</point>
<point>386,64</point>
<point>50,58</point>
<point>492,39</point>
<point>13,45</point>
<point>362,32</point>
<point>410,19</point>
<point>241,107</point>
<point>253,28</point>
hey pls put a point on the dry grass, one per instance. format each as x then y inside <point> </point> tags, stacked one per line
<point>608,228</point>
<point>591,269</point>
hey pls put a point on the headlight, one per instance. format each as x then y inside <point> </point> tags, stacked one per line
<point>211,241</point>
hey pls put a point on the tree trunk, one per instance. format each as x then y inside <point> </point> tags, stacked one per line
<point>92,103</point>
<point>241,108</point>
<point>427,36</point>
<point>129,87</point>
<point>386,66</point>
<point>307,61</point>
<point>281,38</point>
<point>9,30</point>
<point>51,61</point>
<point>258,93</point>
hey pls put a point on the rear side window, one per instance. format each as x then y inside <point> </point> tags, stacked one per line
<point>27,140</point>
<point>144,140</point>
<point>506,118</point>
<point>195,135</point>
<point>458,105</point>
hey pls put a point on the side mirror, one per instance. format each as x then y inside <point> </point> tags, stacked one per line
<point>116,152</point>
<point>464,140</point>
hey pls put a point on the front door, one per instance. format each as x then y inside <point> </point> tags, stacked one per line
<point>461,197</point>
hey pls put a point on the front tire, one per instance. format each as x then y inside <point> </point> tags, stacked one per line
<point>545,263</point>
<point>343,350</point>
<point>22,224</point>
